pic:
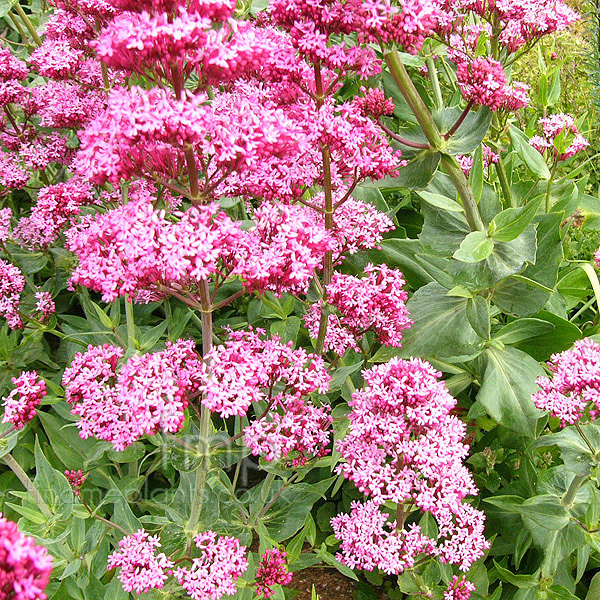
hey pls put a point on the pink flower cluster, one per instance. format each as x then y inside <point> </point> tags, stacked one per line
<point>24,567</point>
<point>141,568</point>
<point>459,589</point>
<point>56,206</point>
<point>20,405</point>
<point>76,480</point>
<point>146,395</point>
<point>247,369</point>
<point>135,248</point>
<point>403,446</point>
<point>466,162</point>
<point>557,130</point>
<point>44,306</point>
<point>215,573</point>
<point>482,81</point>
<point>574,385</point>
<point>5,219</point>
<point>12,283</point>
<point>375,302</point>
<point>286,246</point>
<point>272,570</point>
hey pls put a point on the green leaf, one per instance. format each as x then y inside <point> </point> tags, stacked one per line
<point>52,485</point>
<point>520,581</point>
<point>417,174</point>
<point>510,223</point>
<point>529,155</point>
<point>476,174</point>
<point>441,328</point>
<point>441,201</point>
<point>5,6</point>
<point>477,246</point>
<point>546,511</point>
<point>472,130</point>
<point>331,560</point>
<point>522,329</point>
<point>506,387</point>
<point>574,452</point>
<point>478,313</point>
<point>594,589</point>
<point>104,318</point>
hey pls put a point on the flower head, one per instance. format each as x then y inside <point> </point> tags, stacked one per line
<point>24,567</point>
<point>12,283</point>
<point>141,568</point>
<point>20,405</point>
<point>272,570</point>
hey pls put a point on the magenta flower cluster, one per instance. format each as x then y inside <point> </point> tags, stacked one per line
<point>404,447</point>
<point>272,570</point>
<point>21,404</point>
<point>559,125</point>
<point>147,394</point>
<point>375,302</point>
<point>24,566</point>
<point>574,383</point>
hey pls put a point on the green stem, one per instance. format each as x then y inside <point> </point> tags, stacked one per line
<point>15,467</point>
<point>328,210</point>
<point>203,442</point>
<point>435,83</point>
<point>265,493</point>
<point>586,439</point>
<point>549,188</point>
<point>504,184</point>
<point>34,34</point>
<point>129,318</point>
<point>413,98</point>
<point>569,497</point>
<point>22,33</point>
<point>421,112</point>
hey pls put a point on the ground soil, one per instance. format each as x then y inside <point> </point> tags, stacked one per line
<point>329,584</point>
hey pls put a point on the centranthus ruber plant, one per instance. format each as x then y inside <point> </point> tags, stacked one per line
<point>278,281</point>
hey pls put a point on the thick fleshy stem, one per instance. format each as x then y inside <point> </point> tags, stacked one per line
<point>459,121</point>
<point>569,497</point>
<point>16,468</point>
<point>435,83</point>
<point>504,184</point>
<point>425,120</point>
<point>329,209</point>
<point>549,186</point>
<point>26,20</point>
<point>203,442</point>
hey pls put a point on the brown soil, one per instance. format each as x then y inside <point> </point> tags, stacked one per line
<point>329,584</point>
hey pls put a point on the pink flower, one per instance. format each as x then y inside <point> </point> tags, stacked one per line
<point>20,405</point>
<point>148,394</point>
<point>272,570</point>
<point>575,383</point>
<point>286,247</point>
<point>12,283</point>
<point>141,569</point>
<point>247,366</point>
<point>11,68</point>
<point>374,303</point>
<point>404,446</point>
<point>459,589</point>
<point>12,174</point>
<point>553,126</point>
<point>56,58</point>
<point>215,573</point>
<point>374,103</point>
<point>5,218</point>
<point>44,306</point>
<point>24,567</point>
<point>76,479</point>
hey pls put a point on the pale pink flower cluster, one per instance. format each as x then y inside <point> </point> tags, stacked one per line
<point>250,368</point>
<point>56,207</point>
<point>215,573</point>
<point>44,306</point>
<point>574,383</point>
<point>135,248</point>
<point>5,219</point>
<point>56,58</point>
<point>12,173</point>
<point>553,126</point>
<point>20,405</point>
<point>369,541</point>
<point>286,246</point>
<point>403,446</point>
<point>459,589</point>
<point>148,394</point>
<point>466,162</point>
<point>12,283</point>
<point>482,81</point>
<point>141,568</point>
<point>24,566</point>
<point>272,570</point>
<point>375,302</point>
